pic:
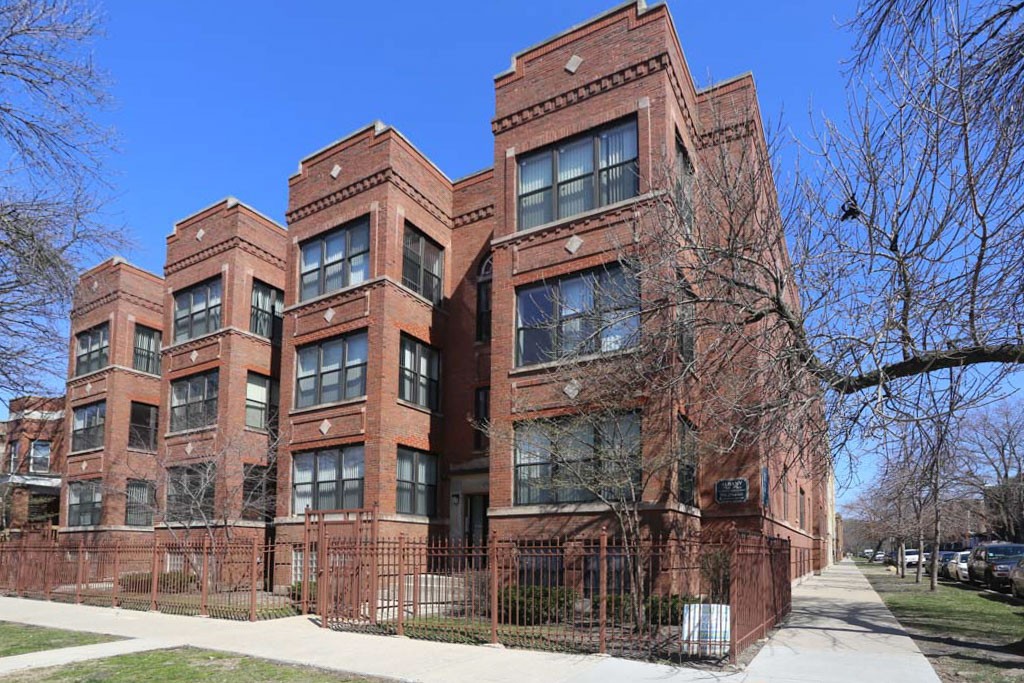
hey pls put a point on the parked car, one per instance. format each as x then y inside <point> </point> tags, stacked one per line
<point>945,557</point>
<point>990,563</point>
<point>868,553</point>
<point>911,557</point>
<point>957,567</point>
<point>1017,579</point>
<point>879,557</point>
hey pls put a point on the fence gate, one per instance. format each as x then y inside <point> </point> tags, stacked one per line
<point>340,577</point>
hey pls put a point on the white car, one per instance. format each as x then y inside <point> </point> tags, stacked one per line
<point>911,557</point>
<point>958,566</point>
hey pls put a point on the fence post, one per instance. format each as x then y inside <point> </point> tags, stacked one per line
<point>401,584</point>
<point>492,560</point>
<point>117,574</point>
<point>733,594</point>
<point>322,574</point>
<point>47,552</point>
<point>602,572</point>
<point>154,576</point>
<point>304,578</point>
<point>81,567</point>
<point>253,569</point>
<point>204,588</point>
<point>374,582</point>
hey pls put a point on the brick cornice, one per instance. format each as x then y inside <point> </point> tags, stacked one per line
<point>725,134</point>
<point>604,84</point>
<point>362,185</point>
<point>113,296</point>
<point>474,216</point>
<point>235,242</point>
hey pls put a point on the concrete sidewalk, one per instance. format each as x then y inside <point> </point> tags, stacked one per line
<point>839,631</point>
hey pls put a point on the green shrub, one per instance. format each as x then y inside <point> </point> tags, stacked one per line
<point>295,591</point>
<point>532,605</point>
<point>662,610</point>
<point>166,582</point>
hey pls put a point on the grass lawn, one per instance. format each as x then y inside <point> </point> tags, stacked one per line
<point>184,665</point>
<point>17,639</point>
<point>966,633</point>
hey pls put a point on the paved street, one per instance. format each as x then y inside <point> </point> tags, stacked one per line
<point>839,631</point>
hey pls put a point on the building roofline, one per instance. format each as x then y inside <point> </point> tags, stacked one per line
<point>229,202</point>
<point>728,81</point>
<point>119,261</point>
<point>379,128</point>
<point>641,8</point>
<point>470,176</point>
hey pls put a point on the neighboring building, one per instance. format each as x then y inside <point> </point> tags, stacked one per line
<point>33,463</point>
<point>389,318</point>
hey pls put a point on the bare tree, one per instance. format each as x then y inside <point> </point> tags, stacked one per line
<point>50,187</point>
<point>992,452</point>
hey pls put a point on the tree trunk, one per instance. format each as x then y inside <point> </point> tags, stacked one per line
<point>920,551</point>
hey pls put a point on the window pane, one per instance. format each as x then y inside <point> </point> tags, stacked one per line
<point>311,256</point>
<point>353,463</point>
<point>356,349</point>
<point>618,145</point>
<point>405,465</point>
<point>535,306</point>
<point>302,465</point>
<point>535,209</point>
<point>534,173</point>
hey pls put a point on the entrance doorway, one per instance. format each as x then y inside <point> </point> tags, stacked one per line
<point>474,518</point>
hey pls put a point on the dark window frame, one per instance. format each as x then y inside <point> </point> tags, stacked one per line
<point>195,412</point>
<point>138,510</point>
<point>425,388</point>
<point>415,273</point>
<point>485,274</point>
<point>320,489</point>
<point>96,355</point>
<point>481,413</point>
<point>591,323</point>
<point>267,412</point>
<point>143,359</point>
<point>345,370</point>
<point>195,480</point>
<point>143,436</point>
<point>347,231</point>
<point>89,507</point>
<point>687,484</point>
<point>420,495</point>
<point>599,176</point>
<point>90,435</point>
<point>266,322</point>
<point>186,326</point>
<point>542,468</point>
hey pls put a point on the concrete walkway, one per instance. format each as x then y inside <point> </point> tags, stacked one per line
<point>839,631</point>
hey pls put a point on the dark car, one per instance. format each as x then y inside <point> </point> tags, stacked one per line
<point>990,564</point>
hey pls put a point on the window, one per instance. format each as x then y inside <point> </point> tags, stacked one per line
<point>419,374</point>
<point>260,402</point>
<point>12,457</point>
<point>258,487</point>
<point>85,500</point>
<point>481,414</point>
<point>687,462</point>
<point>141,499</point>
<point>93,347</point>
<point>335,260</point>
<point>194,401</point>
<point>197,310</point>
<point>87,429</point>
<point>483,300</point>
<point>422,265</point>
<point>802,505</point>
<point>417,482</point>
<point>559,181</point>
<point>142,427</point>
<point>191,491</point>
<point>589,312</point>
<point>684,188</point>
<point>785,497</point>
<point>766,491</point>
<point>267,314</point>
<point>330,479</point>
<point>39,457</point>
<point>331,371</point>
<point>564,460</point>
<point>147,350</point>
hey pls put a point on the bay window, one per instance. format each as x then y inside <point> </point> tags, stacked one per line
<point>87,426</point>
<point>335,260</point>
<point>419,374</point>
<point>328,479</point>
<point>194,401</point>
<point>416,476</point>
<point>331,370</point>
<point>92,349</point>
<point>197,310</point>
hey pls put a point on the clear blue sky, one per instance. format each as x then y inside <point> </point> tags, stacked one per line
<point>223,98</point>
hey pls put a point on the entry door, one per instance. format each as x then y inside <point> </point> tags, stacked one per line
<point>475,518</point>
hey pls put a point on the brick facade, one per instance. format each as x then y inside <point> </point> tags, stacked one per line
<point>357,209</point>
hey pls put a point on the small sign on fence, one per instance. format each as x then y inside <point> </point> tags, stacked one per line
<point>731,491</point>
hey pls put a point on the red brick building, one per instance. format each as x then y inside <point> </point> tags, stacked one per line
<point>33,463</point>
<point>399,297</point>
